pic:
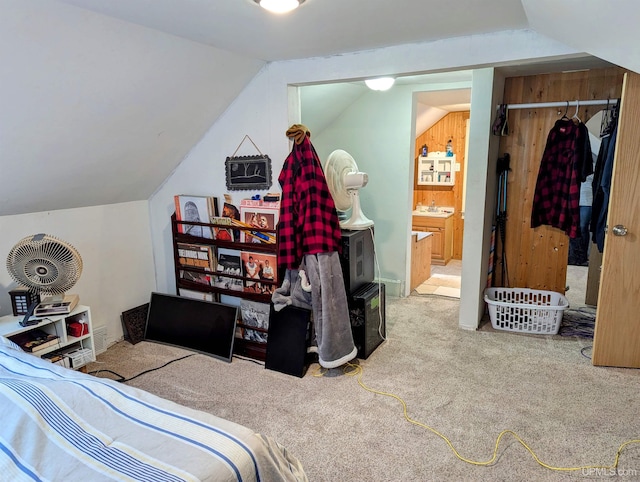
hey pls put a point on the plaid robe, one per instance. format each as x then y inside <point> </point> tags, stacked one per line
<point>308,221</point>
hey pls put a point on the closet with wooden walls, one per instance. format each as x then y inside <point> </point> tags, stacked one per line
<point>452,126</point>
<point>537,258</point>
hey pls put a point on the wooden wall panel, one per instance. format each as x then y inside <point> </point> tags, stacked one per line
<point>452,126</point>
<point>537,258</point>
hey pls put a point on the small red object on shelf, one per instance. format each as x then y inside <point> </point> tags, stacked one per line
<point>77,329</point>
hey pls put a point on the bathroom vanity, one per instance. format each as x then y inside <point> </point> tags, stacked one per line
<point>440,224</point>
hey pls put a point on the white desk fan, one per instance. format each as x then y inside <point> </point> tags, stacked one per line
<point>47,266</point>
<point>344,181</point>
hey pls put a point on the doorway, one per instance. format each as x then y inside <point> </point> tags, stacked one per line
<point>378,130</point>
<point>446,134</point>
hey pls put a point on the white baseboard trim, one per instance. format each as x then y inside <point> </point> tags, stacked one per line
<point>393,287</point>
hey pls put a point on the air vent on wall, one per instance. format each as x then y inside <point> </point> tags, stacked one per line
<point>100,339</point>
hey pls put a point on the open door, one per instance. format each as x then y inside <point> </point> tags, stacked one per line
<point>617,332</point>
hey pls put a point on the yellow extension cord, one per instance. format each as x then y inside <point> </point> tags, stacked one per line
<point>356,370</point>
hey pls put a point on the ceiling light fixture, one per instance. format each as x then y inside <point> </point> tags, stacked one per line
<point>382,83</point>
<point>279,6</point>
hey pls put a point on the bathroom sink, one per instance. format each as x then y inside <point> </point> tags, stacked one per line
<point>440,212</point>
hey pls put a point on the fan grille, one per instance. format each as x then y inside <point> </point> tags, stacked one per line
<point>44,264</point>
<point>339,164</point>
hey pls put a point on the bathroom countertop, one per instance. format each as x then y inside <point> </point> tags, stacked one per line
<point>441,213</point>
<point>421,234</point>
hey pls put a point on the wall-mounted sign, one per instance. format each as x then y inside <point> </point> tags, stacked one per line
<point>248,173</point>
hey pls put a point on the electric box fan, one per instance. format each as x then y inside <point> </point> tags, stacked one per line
<point>344,181</point>
<point>49,267</point>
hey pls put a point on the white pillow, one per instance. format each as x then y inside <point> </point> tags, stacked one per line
<point>9,344</point>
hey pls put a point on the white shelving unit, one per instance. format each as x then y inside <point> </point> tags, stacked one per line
<point>79,350</point>
<point>437,169</point>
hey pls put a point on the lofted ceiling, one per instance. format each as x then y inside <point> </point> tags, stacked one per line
<point>103,99</point>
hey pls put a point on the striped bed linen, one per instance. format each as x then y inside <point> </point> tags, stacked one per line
<point>60,424</point>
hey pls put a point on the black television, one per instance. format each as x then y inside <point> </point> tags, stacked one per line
<point>207,327</point>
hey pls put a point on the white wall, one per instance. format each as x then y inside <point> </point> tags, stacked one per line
<point>261,111</point>
<point>115,246</point>
<point>486,93</point>
<point>376,131</point>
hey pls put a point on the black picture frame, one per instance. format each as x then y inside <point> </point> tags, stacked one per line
<point>246,173</point>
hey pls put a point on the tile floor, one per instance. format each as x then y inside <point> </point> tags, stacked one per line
<point>444,281</point>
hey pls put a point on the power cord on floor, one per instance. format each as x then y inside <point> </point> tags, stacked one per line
<point>582,351</point>
<point>248,359</point>
<point>351,369</point>
<point>123,380</point>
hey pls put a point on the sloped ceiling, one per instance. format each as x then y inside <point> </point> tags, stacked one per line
<point>319,27</point>
<point>101,100</point>
<point>97,110</point>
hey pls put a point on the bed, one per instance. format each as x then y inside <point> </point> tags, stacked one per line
<point>60,424</point>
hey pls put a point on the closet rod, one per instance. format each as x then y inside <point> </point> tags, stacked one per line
<point>542,105</point>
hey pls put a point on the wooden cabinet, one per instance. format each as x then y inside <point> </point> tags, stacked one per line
<point>442,239</point>
<point>420,259</point>
<point>70,351</point>
<point>203,277</point>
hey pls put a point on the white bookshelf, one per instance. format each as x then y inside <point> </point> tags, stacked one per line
<point>57,325</point>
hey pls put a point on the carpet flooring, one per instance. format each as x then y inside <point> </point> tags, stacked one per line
<point>429,380</point>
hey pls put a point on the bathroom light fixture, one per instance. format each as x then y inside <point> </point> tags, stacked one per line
<point>382,83</point>
<point>279,6</point>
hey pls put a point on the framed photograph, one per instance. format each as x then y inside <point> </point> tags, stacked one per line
<point>198,209</point>
<point>254,315</point>
<point>259,217</point>
<point>261,271</point>
<point>248,173</point>
<point>228,263</point>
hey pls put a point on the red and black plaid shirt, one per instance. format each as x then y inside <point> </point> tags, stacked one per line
<point>308,222</point>
<point>565,164</point>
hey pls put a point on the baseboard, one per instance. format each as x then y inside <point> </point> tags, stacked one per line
<point>394,287</point>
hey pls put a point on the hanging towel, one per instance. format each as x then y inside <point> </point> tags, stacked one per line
<point>332,325</point>
<point>293,291</point>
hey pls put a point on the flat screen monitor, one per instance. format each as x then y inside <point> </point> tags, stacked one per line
<point>204,326</point>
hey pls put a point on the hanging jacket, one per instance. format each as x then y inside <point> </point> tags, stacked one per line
<point>602,187</point>
<point>566,163</point>
<point>308,222</point>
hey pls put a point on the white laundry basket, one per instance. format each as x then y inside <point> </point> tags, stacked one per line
<point>526,310</point>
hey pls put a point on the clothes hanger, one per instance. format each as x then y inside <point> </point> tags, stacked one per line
<point>575,117</point>
<point>607,120</point>
<point>564,116</point>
